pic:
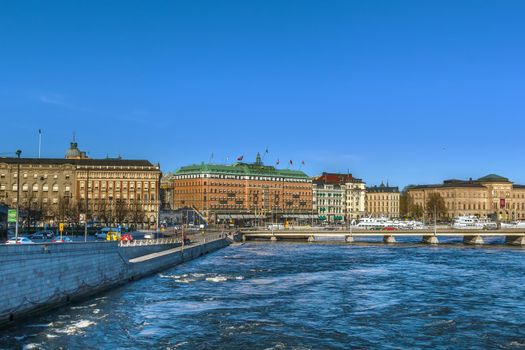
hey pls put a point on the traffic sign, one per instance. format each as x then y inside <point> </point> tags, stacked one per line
<point>11,215</point>
<point>61,227</point>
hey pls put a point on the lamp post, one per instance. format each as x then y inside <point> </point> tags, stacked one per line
<point>110,210</point>
<point>18,152</point>
<point>86,192</point>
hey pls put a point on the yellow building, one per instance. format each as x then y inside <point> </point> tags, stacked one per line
<point>490,196</point>
<point>113,190</point>
<point>382,201</point>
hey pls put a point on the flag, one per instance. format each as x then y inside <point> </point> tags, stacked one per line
<point>240,158</point>
<point>266,150</point>
<point>302,162</point>
<point>277,163</point>
<point>291,162</point>
<point>39,131</point>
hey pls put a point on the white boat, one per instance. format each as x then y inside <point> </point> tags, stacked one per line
<point>382,222</point>
<point>370,222</point>
<point>513,224</point>
<point>414,225</point>
<point>468,222</point>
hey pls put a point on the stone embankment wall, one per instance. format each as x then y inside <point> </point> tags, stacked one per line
<point>38,277</point>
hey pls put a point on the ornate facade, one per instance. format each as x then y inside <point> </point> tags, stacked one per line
<point>382,201</point>
<point>338,197</point>
<point>240,191</point>
<point>490,196</point>
<point>112,190</point>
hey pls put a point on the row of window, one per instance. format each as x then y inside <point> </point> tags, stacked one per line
<point>119,196</point>
<point>240,177</point>
<point>236,184</point>
<point>35,176</point>
<point>375,197</point>
<point>36,188</point>
<point>118,184</point>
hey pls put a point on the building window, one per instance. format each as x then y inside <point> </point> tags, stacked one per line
<point>55,188</point>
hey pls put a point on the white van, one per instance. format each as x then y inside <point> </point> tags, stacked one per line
<point>275,227</point>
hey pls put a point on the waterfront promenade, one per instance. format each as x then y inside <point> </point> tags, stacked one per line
<point>39,277</point>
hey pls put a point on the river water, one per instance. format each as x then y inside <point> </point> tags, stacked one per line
<point>304,296</point>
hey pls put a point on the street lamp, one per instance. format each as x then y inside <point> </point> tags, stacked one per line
<point>86,193</point>
<point>18,152</point>
<point>110,210</point>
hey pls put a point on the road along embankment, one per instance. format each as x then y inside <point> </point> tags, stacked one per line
<point>38,277</point>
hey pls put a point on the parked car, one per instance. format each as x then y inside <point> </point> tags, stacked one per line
<point>102,234</point>
<point>20,240</point>
<point>64,239</point>
<point>127,237</point>
<point>44,234</point>
<point>390,228</point>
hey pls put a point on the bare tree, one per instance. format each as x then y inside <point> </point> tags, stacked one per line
<point>121,210</point>
<point>102,210</point>
<point>435,206</point>
<point>136,212</point>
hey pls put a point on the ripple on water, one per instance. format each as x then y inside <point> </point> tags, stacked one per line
<point>299,296</point>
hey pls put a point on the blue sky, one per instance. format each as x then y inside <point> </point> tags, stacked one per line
<point>404,91</point>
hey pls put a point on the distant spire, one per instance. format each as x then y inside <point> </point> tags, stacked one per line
<point>258,160</point>
<point>74,136</point>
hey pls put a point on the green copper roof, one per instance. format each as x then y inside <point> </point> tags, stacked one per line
<point>256,169</point>
<point>493,178</point>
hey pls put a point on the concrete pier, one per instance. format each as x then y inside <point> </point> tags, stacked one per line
<point>430,240</point>
<point>311,239</point>
<point>349,239</point>
<point>273,239</point>
<point>473,240</point>
<point>515,240</point>
<point>389,239</point>
<point>38,277</point>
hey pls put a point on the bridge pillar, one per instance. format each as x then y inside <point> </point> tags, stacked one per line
<point>349,239</point>
<point>473,240</point>
<point>273,239</point>
<point>515,240</point>
<point>311,239</point>
<point>389,239</point>
<point>430,240</point>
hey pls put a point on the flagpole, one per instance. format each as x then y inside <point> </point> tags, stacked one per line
<point>265,153</point>
<point>39,142</point>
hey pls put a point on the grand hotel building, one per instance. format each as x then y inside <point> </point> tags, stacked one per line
<point>240,191</point>
<point>490,196</point>
<point>114,190</point>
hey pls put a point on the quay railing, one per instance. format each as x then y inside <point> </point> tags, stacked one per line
<point>194,238</point>
<point>145,242</point>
